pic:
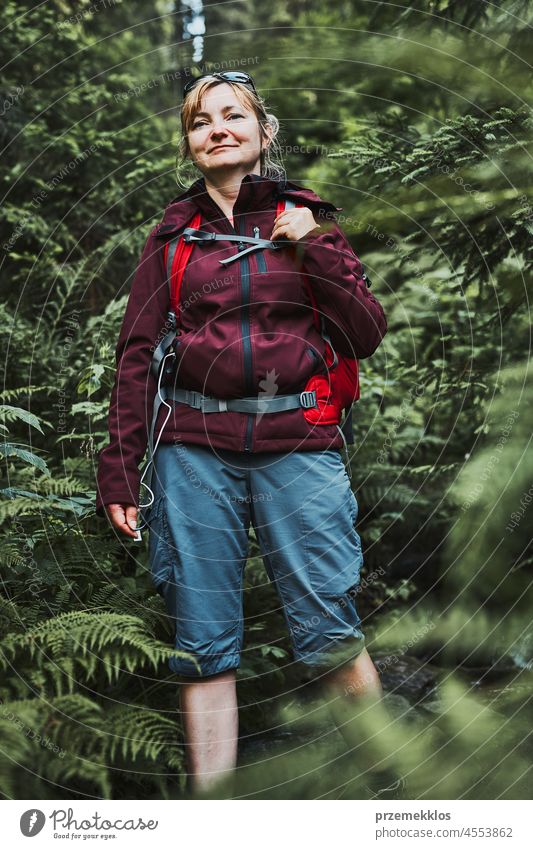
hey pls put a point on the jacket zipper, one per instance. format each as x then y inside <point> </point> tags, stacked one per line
<point>245,329</point>
<point>245,326</point>
<point>261,262</point>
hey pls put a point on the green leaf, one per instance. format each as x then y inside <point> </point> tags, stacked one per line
<point>10,413</point>
<point>10,450</point>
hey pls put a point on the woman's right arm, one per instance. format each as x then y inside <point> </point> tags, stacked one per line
<point>131,404</point>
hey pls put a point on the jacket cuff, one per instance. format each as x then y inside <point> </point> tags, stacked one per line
<point>119,496</point>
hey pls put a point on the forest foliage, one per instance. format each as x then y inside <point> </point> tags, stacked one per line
<point>415,119</point>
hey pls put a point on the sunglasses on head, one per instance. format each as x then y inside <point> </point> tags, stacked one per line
<point>226,76</point>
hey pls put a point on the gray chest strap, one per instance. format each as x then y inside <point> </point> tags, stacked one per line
<point>203,236</point>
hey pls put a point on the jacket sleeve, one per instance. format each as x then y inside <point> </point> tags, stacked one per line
<point>354,318</point>
<point>133,392</point>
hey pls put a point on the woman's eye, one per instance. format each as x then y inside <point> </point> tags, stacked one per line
<point>200,123</point>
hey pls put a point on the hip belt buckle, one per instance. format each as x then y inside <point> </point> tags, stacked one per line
<point>194,399</point>
<point>308,399</point>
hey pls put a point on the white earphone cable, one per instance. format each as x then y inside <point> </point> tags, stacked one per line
<point>151,460</point>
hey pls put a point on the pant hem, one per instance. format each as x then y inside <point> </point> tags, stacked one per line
<point>337,654</point>
<point>208,666</point>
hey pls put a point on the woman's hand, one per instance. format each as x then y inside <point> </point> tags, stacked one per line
<point>123,517</point>
<point>294,224</point>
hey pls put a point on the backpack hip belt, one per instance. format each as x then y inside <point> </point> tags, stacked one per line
<point>253,404</point>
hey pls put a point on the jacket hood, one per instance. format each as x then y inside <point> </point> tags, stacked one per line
<point>256,192</point>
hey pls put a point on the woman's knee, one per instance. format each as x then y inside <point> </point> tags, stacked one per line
<point>225,674</point>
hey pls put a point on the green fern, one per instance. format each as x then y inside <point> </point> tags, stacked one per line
<point>113,597</point>
<point>134,733</point>
<point>76,647</point>
<point>73,739</point>
<point>11,414</point>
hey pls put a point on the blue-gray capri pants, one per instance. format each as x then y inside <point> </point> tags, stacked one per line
<point>303,512</point>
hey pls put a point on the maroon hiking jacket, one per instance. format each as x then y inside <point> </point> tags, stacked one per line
<point>247,329</point>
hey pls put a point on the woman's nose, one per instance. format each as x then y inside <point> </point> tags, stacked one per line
<point>218,130</point>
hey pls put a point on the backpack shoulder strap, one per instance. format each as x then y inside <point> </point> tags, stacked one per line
<point>176,256</point>
<point>347,426</point>
<point>318,318</point>
<point>283,204</point>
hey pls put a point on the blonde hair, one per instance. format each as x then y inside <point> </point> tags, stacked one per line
<point>270,158</point>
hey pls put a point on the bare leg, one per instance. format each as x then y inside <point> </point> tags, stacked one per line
<point>357,684</point>
<point>211,726</point>
<point>359,677</point>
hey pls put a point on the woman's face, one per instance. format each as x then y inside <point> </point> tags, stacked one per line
<point>224,135</point>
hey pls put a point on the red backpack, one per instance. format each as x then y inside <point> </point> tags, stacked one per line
<point>335,391</point>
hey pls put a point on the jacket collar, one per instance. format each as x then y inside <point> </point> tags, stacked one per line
<point>256,192</point>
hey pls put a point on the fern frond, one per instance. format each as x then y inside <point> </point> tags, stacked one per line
<point>12,617</point>
<point>58,486</point>
<point>11,414</point>
<point>10,555</point>
<point>21,452</point>
<point>60,739</point>
<point>78,645</point>
<point>7,395</point>
<point>136,733</point>
<point>21,506</point>
<point>114,598</point>
<point>65,289</point>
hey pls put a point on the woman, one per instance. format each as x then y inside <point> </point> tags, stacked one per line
<point>246,330</point>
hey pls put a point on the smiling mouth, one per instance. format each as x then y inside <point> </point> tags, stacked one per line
<point>223,147</point>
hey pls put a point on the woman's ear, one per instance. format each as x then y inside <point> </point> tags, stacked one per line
<point>268,132</point>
